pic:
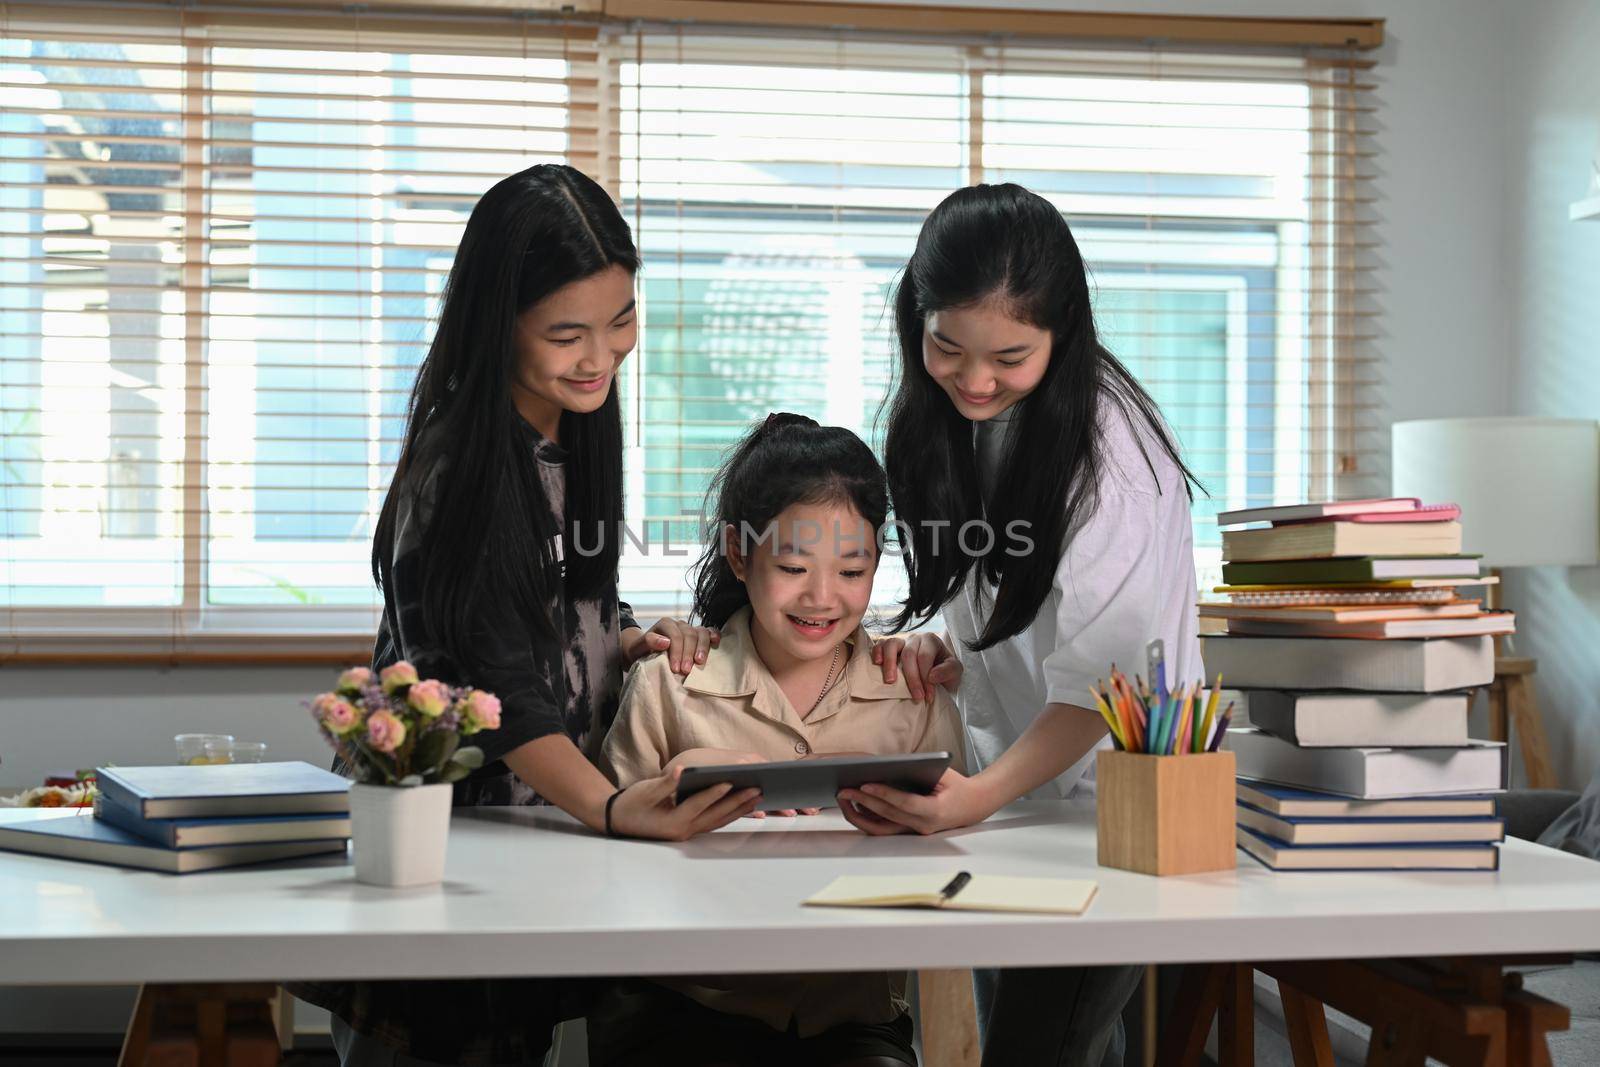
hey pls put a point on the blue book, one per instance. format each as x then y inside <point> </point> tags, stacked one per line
<point>77,835</point>
<point>1303,830</point>
<point>1286,800</point>
<point>226,830</point>
<point>1282,856</point>
<point>200,792</point>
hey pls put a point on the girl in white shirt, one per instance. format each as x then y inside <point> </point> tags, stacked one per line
<point>1045,512</point>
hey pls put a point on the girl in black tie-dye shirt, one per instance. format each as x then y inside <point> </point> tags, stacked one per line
<point>497,553</point>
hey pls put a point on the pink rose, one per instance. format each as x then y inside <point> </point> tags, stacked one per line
<point>480,711</point>
<point>325,707</point>
<point>340,717</point>
<point>398,676</point>
<point>354,680</point>
<point>385,732</point>
<point>429,697</point>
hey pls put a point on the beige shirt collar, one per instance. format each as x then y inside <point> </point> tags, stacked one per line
<point>734,669</point>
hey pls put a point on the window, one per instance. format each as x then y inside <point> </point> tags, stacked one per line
<point>221,246</point>
<point>777,188</point>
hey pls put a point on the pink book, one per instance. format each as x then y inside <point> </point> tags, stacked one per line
<point>1333,509</point>
<point>1425,513</point>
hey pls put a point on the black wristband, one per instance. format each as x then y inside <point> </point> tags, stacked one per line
<point>612,799</point>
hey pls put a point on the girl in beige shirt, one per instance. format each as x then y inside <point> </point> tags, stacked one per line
<point>787,577</point>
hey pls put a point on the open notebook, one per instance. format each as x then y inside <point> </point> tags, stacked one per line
<point>963,892</point>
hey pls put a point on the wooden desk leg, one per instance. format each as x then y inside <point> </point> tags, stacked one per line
<point>211,1027</point>
<point>136,1042</point>
<point>949,1019</point>
<point>1199,992</point>
<point>1396,1044</point>
<point>1528,1019</point>
<point>1306,1021</point>
<point>1524,715</point>
<point>1236,1018</point>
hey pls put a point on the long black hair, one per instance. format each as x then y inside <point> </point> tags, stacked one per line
<point>490,525</point>
<point>787,460</point>
<point>1001,242</point>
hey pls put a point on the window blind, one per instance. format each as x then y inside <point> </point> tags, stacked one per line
<point>1219,196</point>
<point>222,239</point>
<point>223,243</point>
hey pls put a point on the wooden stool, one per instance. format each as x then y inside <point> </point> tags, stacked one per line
<point>1512,704</point>
<point>208,1025</point>
<point>1463,1012</point>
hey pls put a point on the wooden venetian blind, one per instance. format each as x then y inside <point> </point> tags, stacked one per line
<point>221,244</point>
<point>223,236</point>
<point>1219,195</point>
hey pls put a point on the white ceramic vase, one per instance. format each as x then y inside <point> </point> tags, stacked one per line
<point>399,833</point>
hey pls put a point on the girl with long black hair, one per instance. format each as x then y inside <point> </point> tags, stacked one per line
<point>1045,509</point>
<point>497,553</point>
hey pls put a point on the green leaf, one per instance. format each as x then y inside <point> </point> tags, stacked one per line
<point>382,768</point>
<point>434,750</point>
<point>453,772</point>
<point>410,779</point>
<point>470,757</point>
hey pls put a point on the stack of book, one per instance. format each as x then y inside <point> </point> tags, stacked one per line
<point>1349,635</point>
<point>196,818</point>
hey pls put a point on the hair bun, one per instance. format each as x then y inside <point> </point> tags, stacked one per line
<point>778,419</point>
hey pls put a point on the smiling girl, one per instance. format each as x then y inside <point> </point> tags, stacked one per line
<point>1010,411</point>
<point>792,550</point>
<point>512,455</point>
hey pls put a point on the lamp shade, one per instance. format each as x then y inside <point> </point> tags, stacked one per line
<point>1529,488</point>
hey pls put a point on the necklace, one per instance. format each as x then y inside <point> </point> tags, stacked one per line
<point>828,679</point>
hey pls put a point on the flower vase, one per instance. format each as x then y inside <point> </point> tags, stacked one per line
<point>399,833</point>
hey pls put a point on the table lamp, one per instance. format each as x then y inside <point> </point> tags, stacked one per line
<point>1529,490</point>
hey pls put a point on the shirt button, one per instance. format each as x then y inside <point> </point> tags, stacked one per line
<point>801,747</point>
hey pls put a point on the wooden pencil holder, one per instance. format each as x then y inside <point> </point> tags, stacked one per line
<point>1165,814</point>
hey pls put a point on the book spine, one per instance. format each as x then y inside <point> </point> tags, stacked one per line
<point>109,810</point>
<point>118,793</point>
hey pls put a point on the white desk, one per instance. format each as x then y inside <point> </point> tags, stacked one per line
<point>529,893</point>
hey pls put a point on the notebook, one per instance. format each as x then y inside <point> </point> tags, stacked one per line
<point>237,830</point>
<point>1384,666</point>
<point>1374,568</point>
<point>1334,718</point>
<point>1320,510</point>
<point>1282,856</point>
<point>1303,831</point>
<point>1341,539</point>
<point>80,836</point>
<point>1498,622</point>
<point>1341,613</point>
<point>169,792</point>
<point>960,892</point>
<point>1370,773</point>
<point>1290,802</point>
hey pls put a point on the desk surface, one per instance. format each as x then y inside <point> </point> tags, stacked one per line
<point>528,892</point>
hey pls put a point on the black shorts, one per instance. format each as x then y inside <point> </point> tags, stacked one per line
<point>636,1023</point>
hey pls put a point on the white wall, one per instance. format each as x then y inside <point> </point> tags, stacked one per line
<point>1554,275</point>
<point>55,719</point>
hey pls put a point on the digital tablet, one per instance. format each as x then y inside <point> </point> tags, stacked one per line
<point>815,783</point>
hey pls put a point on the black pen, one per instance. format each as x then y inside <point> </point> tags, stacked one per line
<point>957,883</point>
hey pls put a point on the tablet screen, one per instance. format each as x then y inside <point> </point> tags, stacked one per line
<point>815,783</point>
